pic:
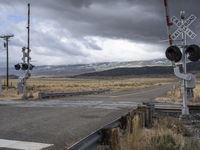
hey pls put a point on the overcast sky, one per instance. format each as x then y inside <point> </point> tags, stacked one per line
<point>88,31</point>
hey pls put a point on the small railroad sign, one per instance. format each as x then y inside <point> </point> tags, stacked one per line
<point>183,27</point>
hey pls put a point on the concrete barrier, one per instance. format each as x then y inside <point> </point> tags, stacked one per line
<point>46,95</point>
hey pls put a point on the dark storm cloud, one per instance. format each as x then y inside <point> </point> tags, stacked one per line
<point>141,21</point>
<point>137,20</point>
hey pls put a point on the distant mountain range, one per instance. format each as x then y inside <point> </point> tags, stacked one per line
<point>71,70</point>
<point>150,67</point>
<point>147,70</point>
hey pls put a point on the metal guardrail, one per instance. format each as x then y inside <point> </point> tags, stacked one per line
<point>101,136</point>
<point>91,141</point>
<point>45,95</point>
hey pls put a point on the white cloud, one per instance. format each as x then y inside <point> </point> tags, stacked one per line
<point>124,50</point>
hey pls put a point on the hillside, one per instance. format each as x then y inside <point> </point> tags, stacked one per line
<point>150,67</point>
<point>149,70</point>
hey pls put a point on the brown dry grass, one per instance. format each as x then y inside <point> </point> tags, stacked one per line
<point>166,134</point>
<point>36,85</point>
<point>175,96</point>
<point>197,93</point>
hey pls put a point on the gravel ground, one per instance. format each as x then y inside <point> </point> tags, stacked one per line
<point>192,123</point>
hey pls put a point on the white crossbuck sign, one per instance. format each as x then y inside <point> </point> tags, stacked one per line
<point>183,27</point>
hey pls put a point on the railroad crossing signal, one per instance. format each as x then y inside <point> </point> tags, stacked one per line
<point>184,52</point>
<point>26,66</point>
<point>183,27</point>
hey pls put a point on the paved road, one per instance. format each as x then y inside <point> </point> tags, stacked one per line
<point>56,124</point>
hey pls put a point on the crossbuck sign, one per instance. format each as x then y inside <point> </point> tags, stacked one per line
<point>183,27</point>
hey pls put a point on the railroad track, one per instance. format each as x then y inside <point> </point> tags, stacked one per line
<point>176,108</point>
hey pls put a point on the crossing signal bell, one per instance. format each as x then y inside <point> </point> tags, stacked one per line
<point>173,53</point>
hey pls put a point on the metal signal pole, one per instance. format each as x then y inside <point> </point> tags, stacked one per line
<point>27,55</point>
<point>6,38</point>
<point>185,109</point>
<point>28,40</point>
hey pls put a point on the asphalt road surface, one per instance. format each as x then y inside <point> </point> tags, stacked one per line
<point>57,124</point>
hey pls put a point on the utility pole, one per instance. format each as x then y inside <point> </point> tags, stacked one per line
<point>6,38</point>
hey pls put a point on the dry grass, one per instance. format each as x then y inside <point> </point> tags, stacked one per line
<point>36,85</point>
<point>9,94</point>
<point>175,95</point>
<point>156,139</point>
<point>166,134</point>
<point>197,93</point>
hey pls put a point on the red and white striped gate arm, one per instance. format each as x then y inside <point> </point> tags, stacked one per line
<point>169,23</point>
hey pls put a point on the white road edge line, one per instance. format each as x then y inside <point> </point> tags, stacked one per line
<point>22,145</point>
